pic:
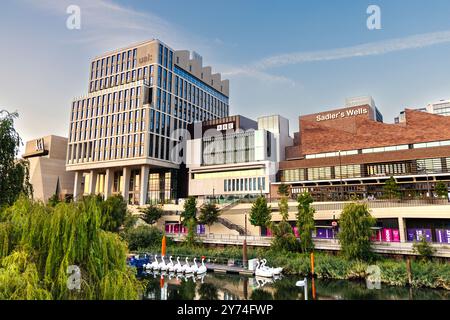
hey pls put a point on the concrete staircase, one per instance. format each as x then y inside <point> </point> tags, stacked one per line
<point>232,226</point>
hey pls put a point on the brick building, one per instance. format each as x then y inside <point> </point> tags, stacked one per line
<point>350,152</point>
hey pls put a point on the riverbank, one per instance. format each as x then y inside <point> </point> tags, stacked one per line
<point>429,274</point>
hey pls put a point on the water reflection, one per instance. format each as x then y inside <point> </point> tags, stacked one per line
<point>232,287</point>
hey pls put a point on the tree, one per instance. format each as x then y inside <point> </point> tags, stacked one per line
<point>152,214</point>
<point>14,174</point>
<point>143,237</point>
<point>191,237</point>
<point>114,212</point>
<point>355,231</point>
<point>190,210</point>
<point>43,243</point>
<point>284,238</point>
<point>54,200</point>
<point>209,214</point>
<point>441,190</point>
<point>283,190</point>
<point>391,189</point>
<point>283,205</point>
<point>423,248</point>
<point>260,213</point>
<point>305,221</point>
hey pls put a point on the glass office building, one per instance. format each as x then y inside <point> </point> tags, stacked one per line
<point>122,132</point>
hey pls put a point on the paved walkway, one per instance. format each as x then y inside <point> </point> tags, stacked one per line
<point>396,248</point>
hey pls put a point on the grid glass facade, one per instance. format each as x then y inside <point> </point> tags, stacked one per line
<point>126,103</point>
<point>412,167</point>
<point>234,148</point>
<point>137,98</point>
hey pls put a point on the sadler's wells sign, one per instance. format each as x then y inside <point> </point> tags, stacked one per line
<point>342,114</point>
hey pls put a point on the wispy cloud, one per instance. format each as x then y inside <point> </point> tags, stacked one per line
<point>106,24</point>
<point>368,49</point>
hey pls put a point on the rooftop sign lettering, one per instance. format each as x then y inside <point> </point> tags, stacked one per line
<point>342,114</point>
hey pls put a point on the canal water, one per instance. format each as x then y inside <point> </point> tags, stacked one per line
<point>214,286</point>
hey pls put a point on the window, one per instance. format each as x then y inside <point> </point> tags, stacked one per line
<point>319,173</point>
<point>292,175</point>
<point>386,149</point>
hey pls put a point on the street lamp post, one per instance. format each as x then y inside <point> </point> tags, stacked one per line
<point>244,246</point>
<point>425,170</point>
<point>341,195</point>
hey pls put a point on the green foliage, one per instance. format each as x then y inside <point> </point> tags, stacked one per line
<point>283,237</point>
<point>208,291</point>
<point>261,295</point>
<point>143,237</point>
<point>283,190</point>
<point>114,212</point>
<point>152,214</point>
<point>191,237</point>
<point>423,248</point>
<point>53,200</point>
<point>52,239</point>
<point>391,189</point>
<point>209,214</point>
<point>5,232</point>
<point>260,213</point>
<point>355,231</point>
<point>190,211</point>
<point>19,279</point>
<point>283,206</point>
<point>14,174</point>
<point>441,190</point>
<point>129,223</point>
<point>305,221</point>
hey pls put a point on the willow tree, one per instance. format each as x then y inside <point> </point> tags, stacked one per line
<point>54,239</point>
<point>355,231</point>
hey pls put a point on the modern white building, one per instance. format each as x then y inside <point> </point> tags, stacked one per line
<point>122,132</point>
<point>48,175</point>
<point>442,107</point>
<point>235,156</point>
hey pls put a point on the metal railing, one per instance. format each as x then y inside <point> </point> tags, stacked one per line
<point>406,248</point>
<point>373,204</point>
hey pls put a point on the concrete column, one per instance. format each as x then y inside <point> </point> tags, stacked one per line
<point>92,182</point>
<point>109,177</point>
<point>77,192</point>
<point>126,183</point>
<point>402,229</point>
<point>83,151</point>
<point>144,185</point>
<point>77,152</point>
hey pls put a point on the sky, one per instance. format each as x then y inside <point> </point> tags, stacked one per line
<point>282,57</point>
